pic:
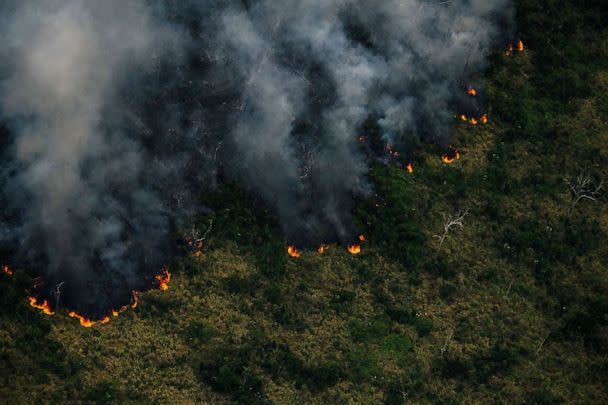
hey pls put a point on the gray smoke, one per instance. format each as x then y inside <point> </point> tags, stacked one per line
<point>117,113</point>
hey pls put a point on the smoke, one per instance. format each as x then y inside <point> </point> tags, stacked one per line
<point>118,114</point>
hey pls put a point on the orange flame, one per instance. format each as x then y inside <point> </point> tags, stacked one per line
<point>44,307</point>
<point>84,321</point>
<point>7,270</point>
<point>410,168</point>
<point>354,249</point>
<point>484,119</point>
<point>473,121</point>
<point>463,118</point>
<point>163,279</point>
<point>509,50</point>
<point>362,238</point>
<point>472,92</point>
<point>520,46</point>
<point>292,251</point>
<point>321,249</point>
<point>135,299</point>
<point>452,156</point>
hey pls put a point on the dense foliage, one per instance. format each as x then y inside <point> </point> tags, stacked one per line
<point>511,308</point>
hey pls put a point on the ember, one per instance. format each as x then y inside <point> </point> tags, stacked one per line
<point>293,252</point>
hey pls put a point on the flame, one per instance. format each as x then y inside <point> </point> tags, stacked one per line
<point>84,321</point>
<point>484,119</point>
<point>362,238</point>
<point>135,299</point>
<point>452,156</point>
<point>293,252</point>
<point>520,46</point>
<point>509,50</point>
<point>163,279</point>
<point>321,249</point>
<point>354,249</point>
<point>410,168</point>
<point>44,307</point>
<point>463,117</point>
<point>472,92</point>
<point>362,138</point>
<point>7,270</point>
<point>473,121</point>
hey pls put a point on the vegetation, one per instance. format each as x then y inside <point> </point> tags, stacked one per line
<point>510,308</point>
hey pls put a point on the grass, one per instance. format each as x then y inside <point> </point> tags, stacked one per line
<point>510,309</point>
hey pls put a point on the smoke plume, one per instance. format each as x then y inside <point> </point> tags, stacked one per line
<point>116,115</point>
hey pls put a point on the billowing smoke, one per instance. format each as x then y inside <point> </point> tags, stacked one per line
<point>117,114</point>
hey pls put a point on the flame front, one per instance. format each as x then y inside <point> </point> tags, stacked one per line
<point>292,251</point>
<point>163,279</point>
<point>84,321</point>
<point>452,156</point>
<point>410,168</point>
<point>354,249</point>
<point>7,270</point>
<point>44,307</point>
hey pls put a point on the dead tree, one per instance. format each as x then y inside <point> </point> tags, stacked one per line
<point>583,188</point>
<point>450,221</point>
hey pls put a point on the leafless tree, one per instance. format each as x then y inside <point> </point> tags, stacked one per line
<point>450,221</point>
<point>57,294</point>
<point>583,188</point>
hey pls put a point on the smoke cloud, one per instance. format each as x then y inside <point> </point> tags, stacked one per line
<point>116,115</point>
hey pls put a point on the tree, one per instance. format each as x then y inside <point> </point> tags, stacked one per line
<point>450,221</point>
<point>583,188</point>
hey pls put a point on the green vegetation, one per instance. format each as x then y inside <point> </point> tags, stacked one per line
<point>512,308</point>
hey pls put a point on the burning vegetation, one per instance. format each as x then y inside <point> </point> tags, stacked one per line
<point>44,306</point>
<point>7,270</point>
<point>292,251</point>
<point>163,279</point>
<point>451,155</point>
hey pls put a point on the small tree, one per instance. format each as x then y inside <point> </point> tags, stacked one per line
<point>450,221</point>
<point>583,188</point>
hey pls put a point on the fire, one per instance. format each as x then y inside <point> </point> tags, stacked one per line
<point>84,321</point>
<point>520,46</point>
<point>452,156</point>
<point>410,168</point>
<point>44,307</point>
<point>354,249</point>
<point>362,238</point>
<point>472,92</point>
<point>321,249</point>
<point>463,118</point>
<point>7,270</point>
<point>473,120</point>
<point>509,50</point>
<point>293,252</point>
<point>135,299</point>
<point>163,279</point>
<point>484,119</point>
